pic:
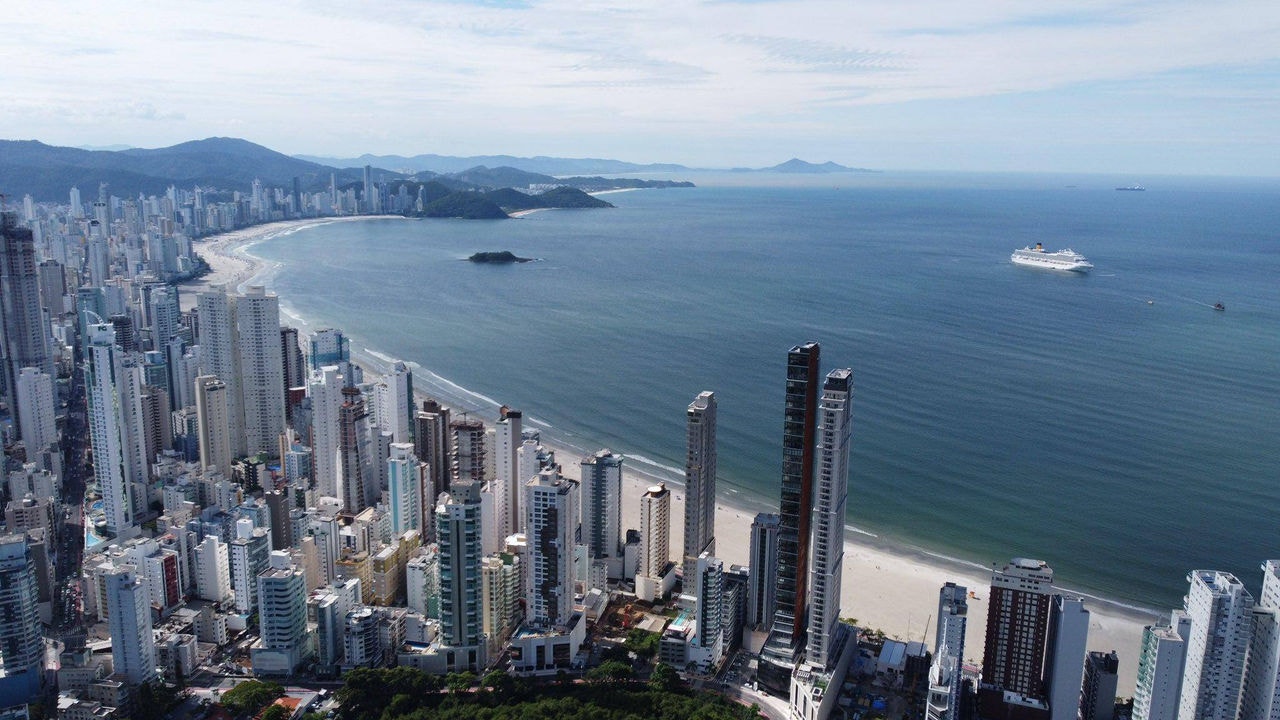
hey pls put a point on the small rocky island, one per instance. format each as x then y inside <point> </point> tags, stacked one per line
<point>500,258</point>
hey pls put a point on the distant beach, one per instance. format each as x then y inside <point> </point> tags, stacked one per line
<point>885,586</point>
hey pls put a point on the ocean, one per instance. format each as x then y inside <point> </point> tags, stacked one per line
<point>1111,423</point>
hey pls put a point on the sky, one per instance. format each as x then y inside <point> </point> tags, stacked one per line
<point>1157,87</point>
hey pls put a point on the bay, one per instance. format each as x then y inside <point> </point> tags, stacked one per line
<point>1110,423</point>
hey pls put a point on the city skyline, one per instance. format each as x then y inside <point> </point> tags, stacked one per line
<point>1157,87</point>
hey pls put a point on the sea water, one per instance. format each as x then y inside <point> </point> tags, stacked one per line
<point>1111,423</point>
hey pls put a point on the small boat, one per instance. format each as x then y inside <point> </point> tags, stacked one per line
<point>1219,307</point>
<point>1131,188</point>
<point>1151,302</point>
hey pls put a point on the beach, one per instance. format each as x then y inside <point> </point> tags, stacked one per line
<point>887,587</point>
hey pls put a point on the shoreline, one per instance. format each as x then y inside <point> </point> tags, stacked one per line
<point>889,585</point>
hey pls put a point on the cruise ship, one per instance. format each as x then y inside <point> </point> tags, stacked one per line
<point>1062,260</point>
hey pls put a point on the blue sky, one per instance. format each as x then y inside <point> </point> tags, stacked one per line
<point>1039,85</point>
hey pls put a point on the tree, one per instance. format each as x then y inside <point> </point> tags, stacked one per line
<point>612,672</point>
<point>460,682</point>
<point>275,712</point>
<point>250,696</point>
<point>665,678</point>
<point>499,682</point>
<point>643,643</point>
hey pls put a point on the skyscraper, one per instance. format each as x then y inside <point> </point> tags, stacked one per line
<point>461,606</point>
<point>948,653</point>
<point>283,642</point>
<point>21,640</point>
<point>36,413</point>
<point>1221,614</point>
<point>655,541</point>
<point>395,403</point>
<point>552,508</point>
<point>799,434</point>
<point>432,443</point>
<point>1017,628</point>
<point>507,442</point>
<point>24,341</point>
<point>261,363</point>
<point>250,554</point>
<point>406,491</point>
<point>325,390</point>
<point>707,645</point>
<point>602,508</point>
<point>133,649</point>
<point>295,365</point>
<point>213,424</point>
<point>700,479</point>
<point>1160,665</point>
<point>1098,694</point>
<point>468,460</point>
<point>1064,656</point>
<point>114,407</point>
<point>355,482</point>
<point>1261,699</point>
<point>832,489</point>
<point>219,356</point>
<point>761,585</point>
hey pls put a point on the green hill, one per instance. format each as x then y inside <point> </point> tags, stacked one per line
<point>466,205</point>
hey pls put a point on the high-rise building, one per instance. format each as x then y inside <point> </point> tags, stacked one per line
<point>1261,699</point>
<point>468,460</point>
<point>355,456</point>
<point>36,412</point>
<point>406,489</point>
<point>786,638</point>
<point>602,508</point>
<point>213,423</point>
<point>948,653</point>
<point>115,420</point>
<point>461,604</point>
<point>761,585</point>
<point>325,389</point>
<point>24,339</point>
<point>329,346</point>
<point>395,403</point>
<point>240,343</point>
<point>1018,628</point>
<point>295,365</point>
<point>1064,656</point>
<point>552,508</point>
<point>261,363</point>
<point>213,570</point>
<point>508,437</point>
<point>1160,665</point>
<point>700,479</point>
<point>250,555</point>
<point>500,591</point>
<point>1221,613</point>
<point>166,316</point>
<point>21,638</point>
<point>706,647</point>
<point>133,648</point>
<point>284,643</point>
<point>831,492</point>
<point>655,541</point>
<point>1098,695</point>
<point>433,444</point>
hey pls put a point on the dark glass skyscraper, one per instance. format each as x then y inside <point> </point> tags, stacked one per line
<point>799,433</point>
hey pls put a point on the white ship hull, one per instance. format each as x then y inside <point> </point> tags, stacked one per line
<point>1063,260</point>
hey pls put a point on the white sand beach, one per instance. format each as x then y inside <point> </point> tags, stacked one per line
<point>887,587</point>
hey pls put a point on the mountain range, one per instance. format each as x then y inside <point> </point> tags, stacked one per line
<point>47,172</point>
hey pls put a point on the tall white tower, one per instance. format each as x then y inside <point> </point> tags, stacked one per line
<point>552,507</point>
<point>506,447</point>
<point>109,383</point>
<point>218,356</point>
<point>1160,665</point>
<point>700,479</point>
<point>133,648</point>
<point>282,614</point>
<point>948,653</point>
<point>655,541</point>
<point>261,361</point>
<point>325,389</point>
<point>830,492</point>
<point>35,409</point>
<point>1221,611</point>
<point>1261,700</point>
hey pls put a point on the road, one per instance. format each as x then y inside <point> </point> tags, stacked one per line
<point>70,555</point>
